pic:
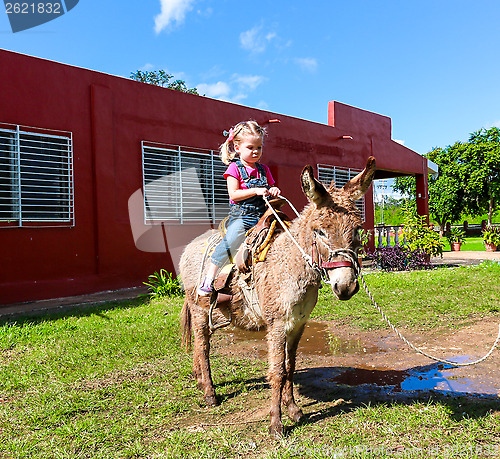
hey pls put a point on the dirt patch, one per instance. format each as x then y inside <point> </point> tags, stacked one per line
<point>332,356</point>
<point>340,368</point>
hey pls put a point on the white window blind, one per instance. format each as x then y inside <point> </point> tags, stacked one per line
<point>183,184</point>
<point>340,176</point>
<point>36,177</point>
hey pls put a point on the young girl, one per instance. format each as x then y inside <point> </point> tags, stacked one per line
<point>247,182</point>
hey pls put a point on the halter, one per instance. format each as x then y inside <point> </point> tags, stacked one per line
<point>351,262</point>
<point>320,266</point>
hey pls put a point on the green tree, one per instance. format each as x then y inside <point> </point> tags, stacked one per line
<point>446,191</point>
<point>163,79</point>
<point>480,172</point>
<point>391,211</point>
<point>407,186</point>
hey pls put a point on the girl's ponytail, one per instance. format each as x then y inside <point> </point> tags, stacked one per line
<point>227,151</point>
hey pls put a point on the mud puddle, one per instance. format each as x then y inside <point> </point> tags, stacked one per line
<point>435,377</point>
<point>317,340</point>
<point>365,360</point>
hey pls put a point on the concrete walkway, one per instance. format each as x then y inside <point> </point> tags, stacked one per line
<point>42,306</point>
<point>465,258</point>
<point>450,259</point>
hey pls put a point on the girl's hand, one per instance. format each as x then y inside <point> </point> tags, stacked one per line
<point>261,191</point>
<point>274,191</point>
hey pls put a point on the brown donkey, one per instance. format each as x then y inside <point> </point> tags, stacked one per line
<point>286,285</point>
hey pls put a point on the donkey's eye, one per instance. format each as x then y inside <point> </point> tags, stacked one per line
<point>320,232</point>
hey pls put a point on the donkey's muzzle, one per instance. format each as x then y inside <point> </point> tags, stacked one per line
<point>344,282</point>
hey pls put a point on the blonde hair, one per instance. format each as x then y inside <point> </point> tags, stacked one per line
<point>245,128</point>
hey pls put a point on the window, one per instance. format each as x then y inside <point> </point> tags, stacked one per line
<point>340,176</point>
<point>183,184</point>
<point>36,177</point>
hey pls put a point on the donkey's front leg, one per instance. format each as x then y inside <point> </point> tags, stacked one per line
<point>294,412</point>
<point>276,341</point>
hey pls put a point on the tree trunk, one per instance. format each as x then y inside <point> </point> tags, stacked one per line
<point>490,209</point>
<point>442,224</point>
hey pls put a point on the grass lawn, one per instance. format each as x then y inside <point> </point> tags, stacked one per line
<point>471,244</point>
<point>113,382</point>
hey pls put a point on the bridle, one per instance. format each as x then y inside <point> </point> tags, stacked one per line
<point>321,266</point>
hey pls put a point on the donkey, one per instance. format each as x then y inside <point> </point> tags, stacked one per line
<point>286,286</point>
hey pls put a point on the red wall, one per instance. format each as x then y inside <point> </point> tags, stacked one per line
<point>109,117</point>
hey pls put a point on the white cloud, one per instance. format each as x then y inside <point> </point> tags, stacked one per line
<point>235,90</point>
<point>172,10</point>
<point>251,40</point>
<point>401,142</point>
<point>147,67</point>
<point>308,64</point>
<point>248,81</point>
<point>219,90</point>
<point>238,98</point>
<point>496,124</point>
<point>255,40</point>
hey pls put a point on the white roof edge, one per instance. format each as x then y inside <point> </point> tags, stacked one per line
<point>432,168</point>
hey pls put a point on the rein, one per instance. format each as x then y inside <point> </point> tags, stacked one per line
<point>420,351</point>
<point>320,267</point>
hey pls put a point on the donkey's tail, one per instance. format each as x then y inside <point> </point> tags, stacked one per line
<point>186,325</point>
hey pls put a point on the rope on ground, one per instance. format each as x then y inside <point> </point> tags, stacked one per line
<point>420,351</point>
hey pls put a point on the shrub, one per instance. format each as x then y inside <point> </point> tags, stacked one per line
<point>456,235</point>
<point>419,236</point>
<point>364,239</point>
<point>491,235</point>
<point>163,283</point>
<point>399,258</point>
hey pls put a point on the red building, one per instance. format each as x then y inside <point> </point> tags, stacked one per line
<point>103,180</point>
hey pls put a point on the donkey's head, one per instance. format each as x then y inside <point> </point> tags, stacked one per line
<point>334,222</point>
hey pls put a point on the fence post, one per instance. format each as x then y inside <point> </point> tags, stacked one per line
<point>388,235</point>
<point>379,229</point>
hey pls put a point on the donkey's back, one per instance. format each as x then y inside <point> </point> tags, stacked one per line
<point>192,260</point>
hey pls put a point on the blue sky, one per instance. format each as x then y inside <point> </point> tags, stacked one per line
<point>432,66</point>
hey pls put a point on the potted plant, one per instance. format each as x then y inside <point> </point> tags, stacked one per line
<point>419,235</point>
<point>456,238</point>
<point>491,237</point>
<point>364,239</point>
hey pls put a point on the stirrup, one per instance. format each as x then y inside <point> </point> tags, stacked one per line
<point>213,305</point>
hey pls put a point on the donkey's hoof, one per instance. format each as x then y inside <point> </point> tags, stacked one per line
<point>276,430</point>
<point>211,400</point>
<point>296,414</point>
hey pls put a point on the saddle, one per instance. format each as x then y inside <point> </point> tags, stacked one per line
<point>258,239</point>
<point>255,246</point>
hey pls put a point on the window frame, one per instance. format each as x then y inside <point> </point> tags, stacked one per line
<point>329,172</point>
<point>193,175</point>
<point>34,176</point>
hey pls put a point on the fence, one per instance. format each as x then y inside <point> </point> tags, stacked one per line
<point>388,236</point>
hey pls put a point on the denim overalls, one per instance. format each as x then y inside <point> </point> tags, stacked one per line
<point>243,215</point>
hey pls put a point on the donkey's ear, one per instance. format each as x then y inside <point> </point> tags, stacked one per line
<point>313,189</point>
<point>358,185</point>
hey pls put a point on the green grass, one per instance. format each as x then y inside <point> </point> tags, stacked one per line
<point>420,299</point>
<point>471,244</point>
<point>113,382</point>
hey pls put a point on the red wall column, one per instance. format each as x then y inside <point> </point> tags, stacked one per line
<point>422,196</point>
<point>103,175</point>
